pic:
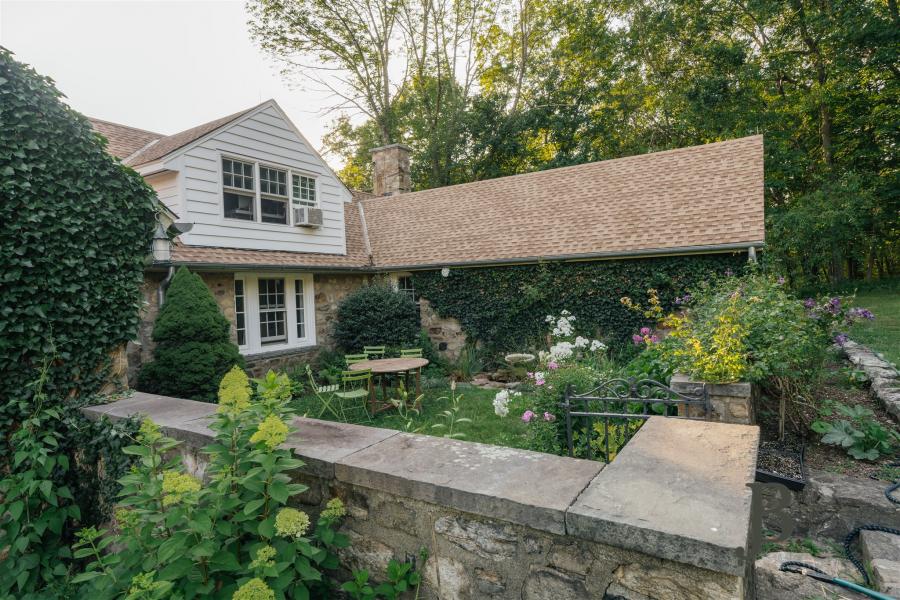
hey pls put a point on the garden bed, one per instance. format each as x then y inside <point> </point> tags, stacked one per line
<point>835,387</point>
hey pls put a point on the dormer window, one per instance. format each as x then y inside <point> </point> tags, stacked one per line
<point>269,201</point>
<point>273,195</point>
<point>237,181</point>
<point>304,190</point>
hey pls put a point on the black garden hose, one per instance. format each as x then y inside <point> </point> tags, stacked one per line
<point>889,490</point>
<point>853,534</point>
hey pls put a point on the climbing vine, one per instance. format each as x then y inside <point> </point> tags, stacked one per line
<point>504,307</point>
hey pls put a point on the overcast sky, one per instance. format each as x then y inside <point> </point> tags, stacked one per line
<point>164,66</point>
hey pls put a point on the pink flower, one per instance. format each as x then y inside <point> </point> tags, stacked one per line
<point>654,339</point>
<point>552,365</point>
<point>636,339</point>
<point>549,417</point>
<point>527,416</point>
<point>645,331</point>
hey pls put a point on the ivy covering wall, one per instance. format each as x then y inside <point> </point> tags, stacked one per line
<point>504,307</point>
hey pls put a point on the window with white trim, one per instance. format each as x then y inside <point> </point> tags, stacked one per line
<point>274,311</point>
<point>240,310</point>
<point>273,195</point>
<point>239,191</point>
<point>254,191</point>
<point>299,308</point>
<point>304,190</point>
<point>405,285</point>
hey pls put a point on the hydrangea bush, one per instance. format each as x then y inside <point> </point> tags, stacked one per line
<point>231,537</point>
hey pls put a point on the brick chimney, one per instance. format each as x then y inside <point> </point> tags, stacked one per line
<point>390,170</point>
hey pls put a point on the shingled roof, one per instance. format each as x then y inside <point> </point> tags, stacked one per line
<point>137,146</point>
<point>123,140</point>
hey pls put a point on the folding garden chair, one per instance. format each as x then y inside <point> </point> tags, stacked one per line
<point>326,395</point>
<point>352,359</point>
<point>356,385</point>
<point>374,352</point>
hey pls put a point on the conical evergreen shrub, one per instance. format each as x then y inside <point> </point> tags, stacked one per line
<point>194,349</point>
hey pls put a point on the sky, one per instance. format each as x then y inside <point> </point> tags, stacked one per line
<point>164,66</point>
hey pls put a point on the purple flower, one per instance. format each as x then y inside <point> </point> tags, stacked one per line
<point>861,313</point>
<point>654,339</point>
<point>728,272</point>
<point>841,339</point>
<point>552,365</point>
<point>645,331</point>
<point>834,305</point>
<point>527,416</point>
<point>637,339</point>
<point>549,417</point>
<point>809,303</point>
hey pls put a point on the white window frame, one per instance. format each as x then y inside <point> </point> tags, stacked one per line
<point>244,312</point>
<point>299,201</point>
<point>251,318</point>
<point>257,194</point>
<point>270,196</point>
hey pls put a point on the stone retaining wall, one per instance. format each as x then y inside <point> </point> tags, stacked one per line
<point>668,519</point>
<point>884,377</point>
<point>731,402</point>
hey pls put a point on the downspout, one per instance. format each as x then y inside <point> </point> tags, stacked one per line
<point>164,285</point>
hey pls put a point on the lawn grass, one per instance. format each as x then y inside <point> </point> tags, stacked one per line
<point>883,333</point>
<point>475,403</point>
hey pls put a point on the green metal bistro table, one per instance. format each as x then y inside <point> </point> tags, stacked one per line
<point>387,366</point>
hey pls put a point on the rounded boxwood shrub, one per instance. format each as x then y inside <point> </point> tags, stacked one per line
<point>376,315</point>
<point>194,348</point>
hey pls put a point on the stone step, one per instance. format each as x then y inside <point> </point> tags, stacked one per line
<point>881,551</point>
<point>774,584</point>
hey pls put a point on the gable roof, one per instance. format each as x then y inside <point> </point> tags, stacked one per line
<point>170,143</point>
<point>694,199</point>
<point>123,140</point>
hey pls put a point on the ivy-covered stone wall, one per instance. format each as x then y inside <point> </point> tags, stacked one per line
<point>504,307</point>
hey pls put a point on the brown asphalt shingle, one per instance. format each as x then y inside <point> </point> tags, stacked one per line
<point>699,196</point>
<point>123,140</point>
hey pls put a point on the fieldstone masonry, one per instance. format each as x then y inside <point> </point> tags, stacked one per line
<point>731,402</point>
<point>669,519</point>
<point>884,377</point>
<point>446,333</point>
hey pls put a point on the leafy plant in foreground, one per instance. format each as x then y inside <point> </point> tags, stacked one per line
<point>451,416</point>
<point>232,537</point>
<point>859,434</point>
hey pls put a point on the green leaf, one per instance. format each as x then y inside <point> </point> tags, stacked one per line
<point>253,506</point>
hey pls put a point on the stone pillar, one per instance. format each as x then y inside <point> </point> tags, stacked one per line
<point>731,402</point>
<point>390,170</point>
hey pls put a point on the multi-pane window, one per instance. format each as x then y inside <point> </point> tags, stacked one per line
<point>298,303</point>
<point>405,285</point>
<point>240,312</point>
<point>274,196</point>
<point>272,327</point>
<point>237,179</point>
<point>269,200</point>
<point>304,190</point>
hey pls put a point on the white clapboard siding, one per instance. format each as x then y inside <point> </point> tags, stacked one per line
<point>166,186</point>
<point>263,136</point>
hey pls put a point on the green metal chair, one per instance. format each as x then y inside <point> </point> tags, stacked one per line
<point>352,359</point>
<point>374,352</point>
<point>326,395</point>
<point>355,386</point>
<point>411,353</point>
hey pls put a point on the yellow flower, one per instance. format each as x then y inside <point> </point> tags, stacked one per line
<point>264,558</point>
<point>148,432</point>
<point>272,431</point>
<point>334,509</point>
<point>175,485</point>
<point>126,518</point>
<point>142,584</point>
<point>234,391</point>
<point>255,589</point>
<point>292,523</point>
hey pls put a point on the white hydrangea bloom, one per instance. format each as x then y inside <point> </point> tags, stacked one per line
<point>598,346</point>
<point>581,342</point>
<point>501,403</point>
<point>549,319</point>
<point>561,350</point>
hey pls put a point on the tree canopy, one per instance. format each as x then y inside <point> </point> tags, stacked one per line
<point>486,88</point>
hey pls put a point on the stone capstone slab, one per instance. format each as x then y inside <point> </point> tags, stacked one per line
<point>680,488</point>
<point>323,443</point>
<point>187,420</point>
<point>883,375</point>
<point>527,488</point>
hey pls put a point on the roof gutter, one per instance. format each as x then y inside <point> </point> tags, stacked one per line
<point>649,253</point>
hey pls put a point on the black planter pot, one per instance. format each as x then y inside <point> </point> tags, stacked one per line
<point>791,483</point>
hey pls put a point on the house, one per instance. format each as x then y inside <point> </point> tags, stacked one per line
<point>280,240</point>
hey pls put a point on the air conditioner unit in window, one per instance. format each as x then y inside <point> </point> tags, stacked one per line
<point>305,216</point>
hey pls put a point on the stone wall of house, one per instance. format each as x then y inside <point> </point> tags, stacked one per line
<point>446,333</point>
<point>330,290</point>
<point>669,518</point>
